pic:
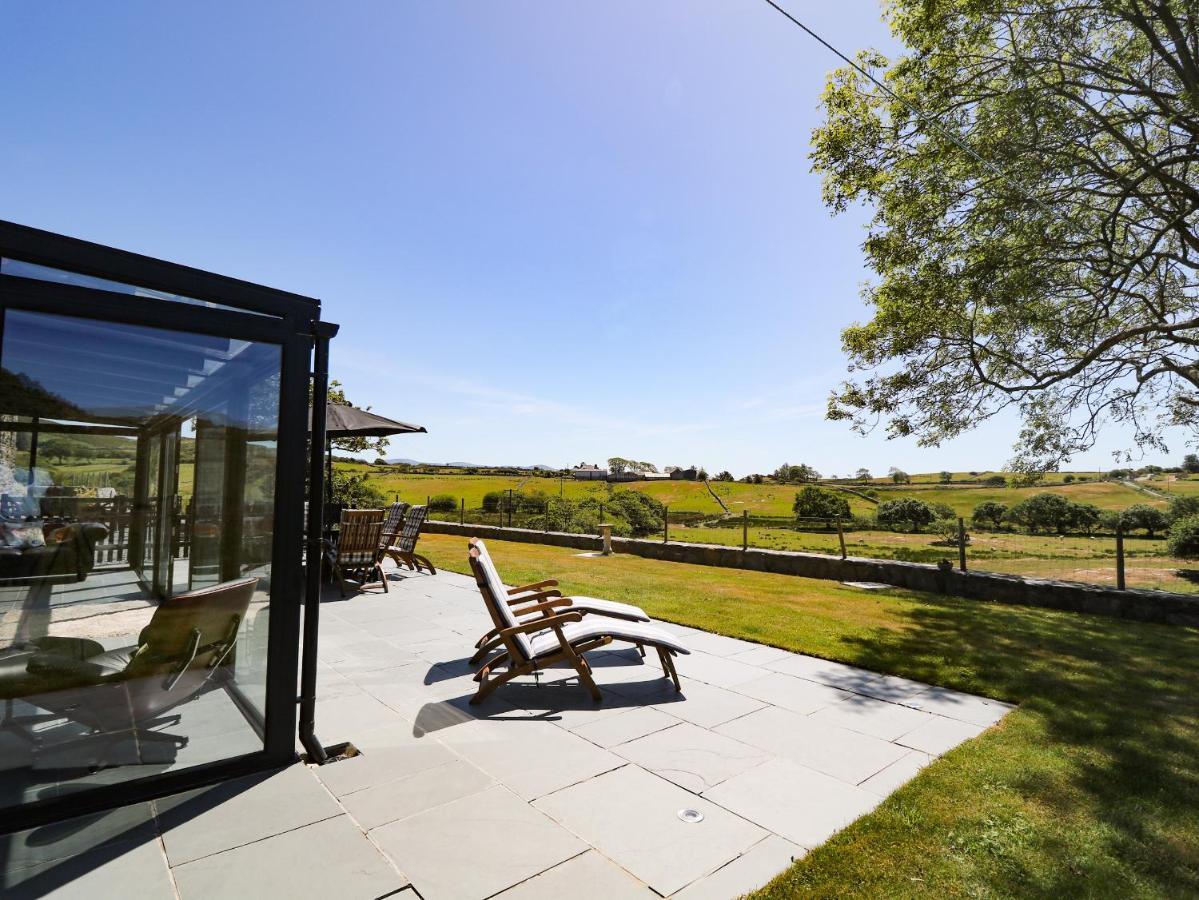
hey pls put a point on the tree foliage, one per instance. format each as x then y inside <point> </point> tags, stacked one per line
<point>818,503</point>
<point>989,513</point>
<point>1184,538</point>
<point>908,511</point>
<point>378,446</point>
<point>1032,174</point>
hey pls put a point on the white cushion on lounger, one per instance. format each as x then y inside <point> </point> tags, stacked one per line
<point>547,641</point>
<point>601,607</point>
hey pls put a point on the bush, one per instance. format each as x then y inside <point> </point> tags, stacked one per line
<point>1144,516</point>
<point>1184,538</point>
<point>1043,512</point>
<point>1183,507</point>
<point>1085,516</point>
<point>905,511</point>
<point>943,511</point>
<point>1067,478</point>
<point>443,503</point>
<point>355,492</point>
<point>995,481</point>
<point>989,514</point>
<point>817,503</point>
<point>494,500</point>
<point>948,529</point>
<point>644,514</point>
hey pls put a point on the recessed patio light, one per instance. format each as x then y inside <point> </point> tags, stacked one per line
<point>691,816</point>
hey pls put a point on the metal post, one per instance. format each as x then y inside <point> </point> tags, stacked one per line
<point>509,507</point>
<point>665,524</point>
<point>744,530</point>
<point>462,511</point>
<point>1120,556</point>
<point>841,538</point>
<point>962,543</point>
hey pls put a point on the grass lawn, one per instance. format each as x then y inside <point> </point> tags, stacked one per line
<point>1089,788</point>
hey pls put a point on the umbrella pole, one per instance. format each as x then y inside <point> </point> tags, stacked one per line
<point>328,470</point>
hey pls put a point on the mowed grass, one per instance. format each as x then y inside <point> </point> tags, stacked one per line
<point>1065,557</point>
<point>1089,788</point>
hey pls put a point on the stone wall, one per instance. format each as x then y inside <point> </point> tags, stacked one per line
<point>1144,606</point>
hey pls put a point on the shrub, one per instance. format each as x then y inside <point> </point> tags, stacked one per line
<point>905,511</point>
<point>948,529</point>
<point>1184,538</point>
<point>644,514</point>
<point>817,503</point>
<point>1183,507</point>
<point>1144,516</point>
<point>355,492</point>
<point>1085,516</point>
<point>945,477</point>
<point>443,503</point>
<point>943,511</point>
<point>1067,478</point>
<point>995,481</point>
<point>494,500</point>
<point>532,502</point>
<point>1043,512</point>
<point>989,513</point>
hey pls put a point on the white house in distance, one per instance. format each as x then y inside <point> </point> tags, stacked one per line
<point>589,472</point>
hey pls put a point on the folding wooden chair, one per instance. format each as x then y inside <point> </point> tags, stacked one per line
<point>357,548</point>
<point>403,550</point>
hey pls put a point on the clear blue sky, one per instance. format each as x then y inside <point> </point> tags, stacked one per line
<point>551,232</point>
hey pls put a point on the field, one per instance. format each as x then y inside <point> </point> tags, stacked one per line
<point>1090,788</point>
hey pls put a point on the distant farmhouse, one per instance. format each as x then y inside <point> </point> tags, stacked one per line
<point>683,474</point>
<point>589,472</point>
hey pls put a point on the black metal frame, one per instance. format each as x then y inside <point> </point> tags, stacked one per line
<point>289,320</point>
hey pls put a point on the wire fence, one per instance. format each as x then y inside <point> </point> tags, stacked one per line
<point>1132,560</point>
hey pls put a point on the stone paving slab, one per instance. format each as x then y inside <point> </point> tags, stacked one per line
<point>538,792</point>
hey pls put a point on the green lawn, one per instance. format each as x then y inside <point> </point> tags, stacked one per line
<point>1089,788</point>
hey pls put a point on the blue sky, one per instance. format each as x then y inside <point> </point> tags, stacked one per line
<point>551,232</point>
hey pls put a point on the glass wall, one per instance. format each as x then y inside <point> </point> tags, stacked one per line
<point>137,489</point>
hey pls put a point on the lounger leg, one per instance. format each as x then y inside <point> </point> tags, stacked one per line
<point>484,650</point>
<point>641,649</point>
<point>668,668</point>
<point>487,685</point>
<point>382,578</point>
<point>584,671</point>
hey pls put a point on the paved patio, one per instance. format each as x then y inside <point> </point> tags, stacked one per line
<point>539,792</point>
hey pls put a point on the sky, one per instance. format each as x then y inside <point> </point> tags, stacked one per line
<point>551,232</point>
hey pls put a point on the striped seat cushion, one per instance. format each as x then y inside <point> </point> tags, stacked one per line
<point>546,642</point>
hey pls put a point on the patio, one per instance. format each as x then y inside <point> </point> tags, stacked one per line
<point>534,793</point>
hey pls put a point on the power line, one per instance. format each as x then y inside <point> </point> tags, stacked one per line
<point>924,117</point>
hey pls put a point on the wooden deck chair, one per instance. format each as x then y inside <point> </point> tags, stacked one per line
<point>555,636</point>
<point>392,525</point>
<point>529,594</point>
<point>403,550</point>
<point>357,548</point>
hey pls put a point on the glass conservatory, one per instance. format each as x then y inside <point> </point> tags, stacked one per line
<point>154,435</point>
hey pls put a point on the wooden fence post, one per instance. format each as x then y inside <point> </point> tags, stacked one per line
<point>841,537</point>
<point>962,543</point>
<point>509,507</point>
<point>1120,556</point>
<point>462,511</point>
<point>665,524</point>
<point>744,530</point>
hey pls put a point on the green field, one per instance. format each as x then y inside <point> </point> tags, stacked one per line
<point>1090,788</point>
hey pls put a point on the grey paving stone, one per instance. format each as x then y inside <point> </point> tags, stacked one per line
<point>133,824</point>
<point>718,644</point>
<point>385,754</point>
<point>796,694</point>
<point>698,703</point>
<point>940,735</point>
<point>341,718</point>
<point>629,725</point>
<point>206,821</point>
<point>477,846</point>
<point>760,655</point>
<point>838,675</point>
<point>692,757</point>
<point>588,874</point>
<point>874,717</point>
<point>327,859</point>
<point>115,871</point>
<point>532,758</point>
<point>802,805</point>
<point>715,670</point>
<point>843,754</point>
<point>631,816</point>
<point>748,872</point>
<point>403,797</point>
<point>963,707</point>
<point>897,774</point>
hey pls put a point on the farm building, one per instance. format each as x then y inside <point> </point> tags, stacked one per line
<point>589,472</point>
<point>684,474</point>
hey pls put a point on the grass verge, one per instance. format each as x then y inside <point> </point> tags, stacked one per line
<point>1090,788</point>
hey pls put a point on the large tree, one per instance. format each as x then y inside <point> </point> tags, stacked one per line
<point>1033,171</point>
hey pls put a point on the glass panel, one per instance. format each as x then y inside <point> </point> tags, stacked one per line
<point>62,276</point>
<point>137,484</point>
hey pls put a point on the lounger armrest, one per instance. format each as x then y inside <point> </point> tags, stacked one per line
<point>534,597</point>
<point>535,586</point>
<point>547,607</point>
<point>543,623</point>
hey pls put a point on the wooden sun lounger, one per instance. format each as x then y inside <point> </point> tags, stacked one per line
<point>357,548</point>
<point>530,594</point>
<point>403,550</point>
<point>549,635</point>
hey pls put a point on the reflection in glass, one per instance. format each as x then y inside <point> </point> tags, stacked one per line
<point>137,486</point>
